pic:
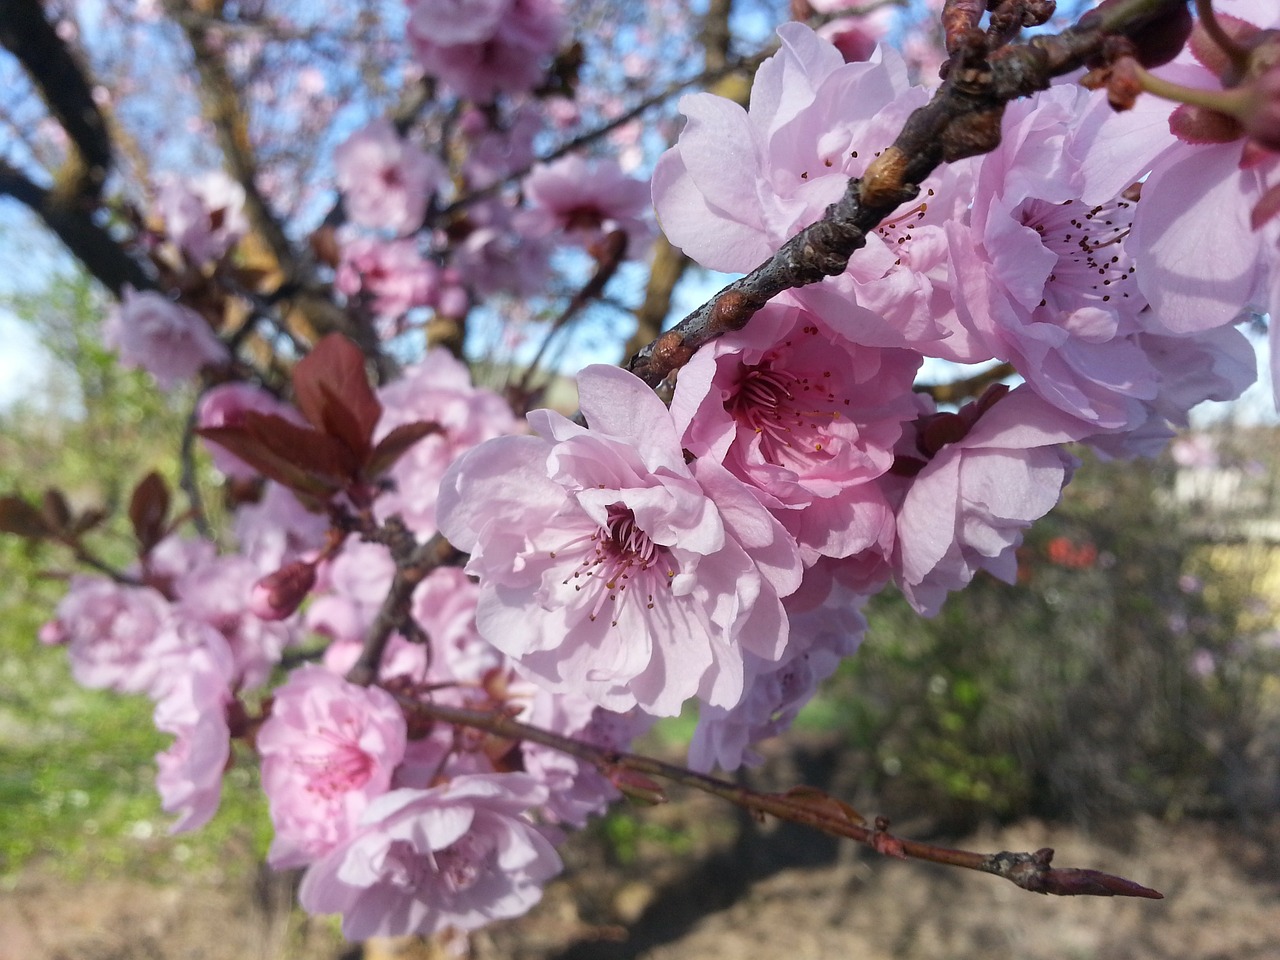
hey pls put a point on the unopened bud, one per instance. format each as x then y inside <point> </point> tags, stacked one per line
<point>636,786</point>
<point>279,594</point>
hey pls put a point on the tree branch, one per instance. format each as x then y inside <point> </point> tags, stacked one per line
<point>962,120</point>
<point>1030,871</point>
<point>66,91</point>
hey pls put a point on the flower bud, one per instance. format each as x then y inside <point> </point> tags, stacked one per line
<point>279,594</point>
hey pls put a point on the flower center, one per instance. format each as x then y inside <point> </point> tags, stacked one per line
<point>791,413</point>
<point>462,863</point>
<point>1093,267</point>
<point>619,561</point>
<point>336,767</point>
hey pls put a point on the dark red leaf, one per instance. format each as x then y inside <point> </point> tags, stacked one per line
<point>395,444</point>
<point>88,520</point>
<point>21,518</point>
<point>262,457</point>
<point>56,510</point>
<point>333,375</point>
<point>312,450</point>
<point>149,510</point>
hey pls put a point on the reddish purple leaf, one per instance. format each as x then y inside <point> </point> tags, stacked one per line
<point>332,376</point>
<point>21,518</point>
<point>395,444</point>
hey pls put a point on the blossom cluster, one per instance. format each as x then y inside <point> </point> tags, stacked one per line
<point>719,548</point>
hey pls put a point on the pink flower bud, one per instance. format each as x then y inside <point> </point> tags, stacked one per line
<point>279,594</point>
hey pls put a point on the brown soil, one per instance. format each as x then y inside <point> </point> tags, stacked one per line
<point>769,893</point>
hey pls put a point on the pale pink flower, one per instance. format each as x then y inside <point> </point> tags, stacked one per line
<point>1200,260</point>
<point>218,593</point>
<point>203,214</point>
<point>385,180</point>
<point>392,274</point>
<point>582,201</point>
<point>194,709</point>
<point>171,342</point>
<point>512,59</point>
<point>110,631</point>
<point>807,418</point>
<point>967,508</point>
<point>1046,280</point>
<point>740,183</point>
<point>450,22</point>
<point>459,855</point>
<point>436,390</point>
<point>610,567</point>
<point>328,749</point>
<point>278,529</point>
<point>821,636</point>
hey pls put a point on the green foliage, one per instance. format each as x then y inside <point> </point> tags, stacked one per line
<point>77,780</point>
<point>1071,694</point>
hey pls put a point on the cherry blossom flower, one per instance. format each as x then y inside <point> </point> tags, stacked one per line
<point>393,275</point>
<point>510,59</point>
<point>967,508</point>
<point>203,214</point>
<point>168,340</point>
<point>584,200</point>
<point>459,855</point>
<point>437,390</point>
<point>610,567</point>
<point>807,418</point>
<point>385,180</point>
<point>821,636</point>
<point>328,749</point>
<point>194,709</point>
<point>740,183</point>
<point>109,630</point>
<point>218,593</point>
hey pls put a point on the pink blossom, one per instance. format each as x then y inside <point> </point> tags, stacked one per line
<point>585,200</point>
<point>225,405</point>
<point>110,630</point>
<point>496,256</point>
<point>450,22</point>
<point>1200,260</point>
<point>1046,279</point>
<point>807,418</point>
<point>740,183</point>
<point>512,59</point>
<point>436,390</point>
<point>821,636</point>
<point>350,590</point>
<point>328,749</point>
<point>610,567</point>
<point>967,508</point>
<point>392,274</point>
<point>218,593</point>
<point>203,214</point>
<point>385,180</point>
<point>278,529</point>
<point>194,709</point>
<point>458,855</point>
<point>169,341</point>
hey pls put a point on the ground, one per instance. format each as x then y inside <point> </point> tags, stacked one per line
<point>769,893</point>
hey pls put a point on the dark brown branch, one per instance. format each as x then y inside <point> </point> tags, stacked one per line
<point>92,244</point>
<point>66,91</point>
<point>962,120</point>
<point>613,251</point>
<point>1030,871</point>
<point>413,562</point>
